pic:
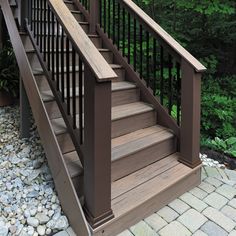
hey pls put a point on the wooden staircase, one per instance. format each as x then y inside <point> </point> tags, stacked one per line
<point>148,165</point>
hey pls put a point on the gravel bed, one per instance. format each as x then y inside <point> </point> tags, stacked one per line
<point>28,201</point>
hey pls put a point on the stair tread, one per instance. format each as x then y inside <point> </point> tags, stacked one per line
<point>133,145</point>
<point>47,95</point>
<point>118,112</point>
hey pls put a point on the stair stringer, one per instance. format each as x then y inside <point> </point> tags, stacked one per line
<point>64,186</point>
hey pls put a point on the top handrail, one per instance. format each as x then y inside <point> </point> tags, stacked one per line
<point>163,35</point>
<point>82,43</point>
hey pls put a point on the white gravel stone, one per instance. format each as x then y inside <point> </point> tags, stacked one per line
<point>33,221</point>
<point>41,229</point>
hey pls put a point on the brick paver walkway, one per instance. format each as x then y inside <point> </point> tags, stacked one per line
<point>209,209</point>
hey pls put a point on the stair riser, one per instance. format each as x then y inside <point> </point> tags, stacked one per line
<point>71,6</point>
<point>133,123</point>
<point>65,143</point>
<point>118,98</point>
<point>33,60</point>
<point>136,161</point>
<point>120,73</point>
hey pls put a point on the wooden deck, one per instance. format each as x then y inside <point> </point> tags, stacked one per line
<point>142,193</point>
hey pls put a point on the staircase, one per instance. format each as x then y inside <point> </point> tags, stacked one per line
<point>116,151</point>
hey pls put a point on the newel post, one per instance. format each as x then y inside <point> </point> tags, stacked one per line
<point>97,149</point>
<point>94,13</point>
<point>190,115</point>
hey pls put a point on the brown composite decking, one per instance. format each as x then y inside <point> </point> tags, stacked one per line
<point>147,190</point>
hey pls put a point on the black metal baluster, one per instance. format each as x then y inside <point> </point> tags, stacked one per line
<point>113,21</point>
<point>135,45</point>
<point>34,19</point>
<point>129,31</point>
<point>45,29</point>
<point>41,26</point>
<point>37,34</point>
<point>73,88</point>
<point>52,48</point>
<point>147,59</point>
<point>57,55</point>
<point>105,16</point>
<point>81,100</point>
<point>123,34</point>
<point>178,92</point>
<point>118,27</point>
<point>62,66</point>
<point>68,75</point>
<point>162,76</point>
<point>141,50</point>
<point>154,66</point>
<point>100,13</point>
<point>49,32</point>
<point>109,18</point>
<point>170,83</point>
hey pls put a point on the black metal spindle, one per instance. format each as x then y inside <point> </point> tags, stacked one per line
<point>53,45</point>
<point>118,27</point>
<point>45,29</point>
<point>141,50</point>
<point>48,44</point>
<point>68,75</point>
<point>37,33</point>
<point>129,42</point>
<point>154,66</point>
<point>105,16</point>
<point>81,100</point>
<point>162,76</point>
<point>170,94</point>
<point>109,18</point>
<point>57,54</point>
<point>31,14</point>
<point>123,34</point>
<point>135,45</point>
<point>178,92</point>
<point>147,59</point>
<point>113,21</point>
<point>62,66</point>
<point>73,87</point>
<point>41,26</point>
<point>34,18</point>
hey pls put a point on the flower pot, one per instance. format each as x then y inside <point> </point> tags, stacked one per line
<point>6,98</point>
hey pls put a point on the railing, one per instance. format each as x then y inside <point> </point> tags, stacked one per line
<point>171,72</point>
<point>139,39</point>
<point>80,80</point>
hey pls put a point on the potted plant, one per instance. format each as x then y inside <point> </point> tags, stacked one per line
<point>9,76</point>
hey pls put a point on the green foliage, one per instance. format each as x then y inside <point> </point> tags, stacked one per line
<point>227,146</point>
<point>9,75</point>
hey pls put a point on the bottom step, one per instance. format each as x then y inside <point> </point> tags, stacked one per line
<point>145,191</point>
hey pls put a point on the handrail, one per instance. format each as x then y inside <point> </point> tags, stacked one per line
<point>82,43</point>
<point>161,33</point>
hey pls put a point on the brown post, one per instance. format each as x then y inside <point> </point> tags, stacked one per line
<point>97,149</point>
<point>94,13</point>
<point>190,115</point>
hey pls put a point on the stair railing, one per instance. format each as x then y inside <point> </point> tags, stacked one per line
<point>80,80</point>
<point>168,70</point>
